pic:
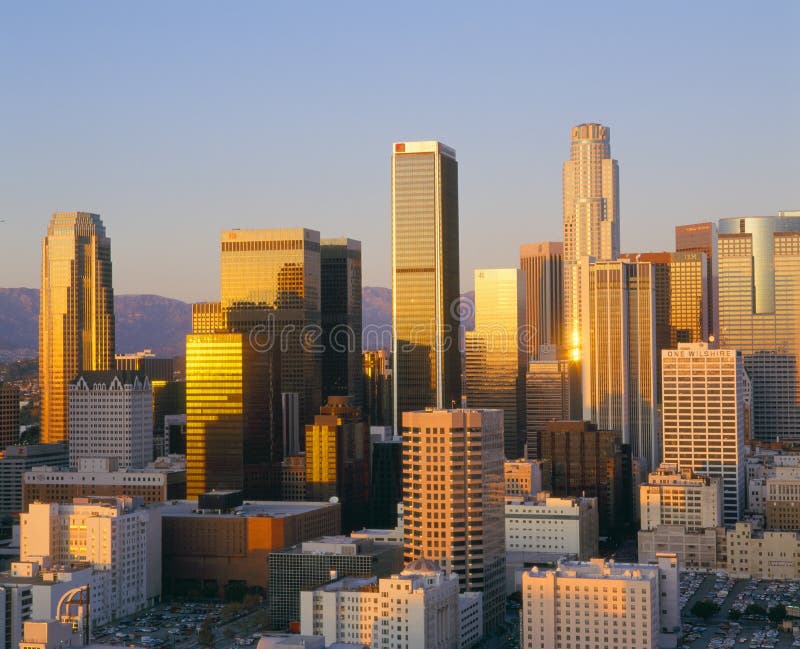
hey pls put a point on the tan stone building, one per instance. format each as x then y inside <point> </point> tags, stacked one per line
<point>782,503</point>
<point>753,554</point>
<point>673,497</point>
<point>706,548</point>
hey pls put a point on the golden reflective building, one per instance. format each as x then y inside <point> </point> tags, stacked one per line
<point>494,371</point>
<point>425,280</point>
<point>591,217</point>
<point>233,436</point>
<point>76,315</point>
<point>703,237</point>
<point>275,274</point>
<point>543,265</point>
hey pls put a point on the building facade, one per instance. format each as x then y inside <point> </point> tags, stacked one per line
<point>76,312</point>
<point>591,218</point>
<point>453,498</point>
<point>601,604</point>
<point>759,298</point>
<point>543,267</point>
<point>703,549</point>
<point>111,415</point>
<point>552,393</point>
<point>703,413</point>
<point>9,414</point>
<point>673,497</point>
<point>755,554</point>
<point>494,370</point>
<point>703,237</point>
<point>16,460</point>
<point>425,278</point>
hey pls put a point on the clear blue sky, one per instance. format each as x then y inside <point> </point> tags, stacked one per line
<point>174,120</point>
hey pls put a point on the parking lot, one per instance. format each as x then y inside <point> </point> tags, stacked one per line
<point>748,631</point>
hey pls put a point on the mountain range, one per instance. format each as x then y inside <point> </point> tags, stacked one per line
<point>154,322</point>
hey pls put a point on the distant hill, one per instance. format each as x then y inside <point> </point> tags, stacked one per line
<point>160,323</point>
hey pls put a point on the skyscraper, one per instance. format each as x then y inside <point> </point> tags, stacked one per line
<point>705,393</point>
<point>759,299</point>
<point>591,217</point>
<point>619,346</point>
<point>341,319</point>
<point>494,373</point>
<point>702,237</point>
<point>453,498</point>
<point>233,434</point>
<point>76,316</point>
<point>425,279</point>
<point>270,280</point>
<point>552,393</point>
<point>543,265</point>
<point>9,414</point>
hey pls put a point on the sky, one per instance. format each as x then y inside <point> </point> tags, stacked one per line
<point>175,120</point>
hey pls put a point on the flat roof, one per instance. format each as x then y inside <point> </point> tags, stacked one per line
<point>249,509</point>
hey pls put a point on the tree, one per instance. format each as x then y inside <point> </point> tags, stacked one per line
<point>755,610</point>
<point>777,614</point>
<point>235,591</point>
<point>734,614</point>
<point>206,635</point>
<point>705,609</point>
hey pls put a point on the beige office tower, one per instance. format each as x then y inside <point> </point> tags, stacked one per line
<point>76,314</point>
<point>425,282</point>
<point>618,364</point>
<point>453,499</point>
<point>705,393</point>
<point>271,290</point>
<point>543,265</point>
<point>759,302</point>
<point>494,375</point>
<point>591,218</point>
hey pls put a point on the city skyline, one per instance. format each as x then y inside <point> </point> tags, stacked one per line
<point>163,158</point>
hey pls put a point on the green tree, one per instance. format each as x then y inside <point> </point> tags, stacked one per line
<point>235,591</point>
<point>755,610</point>
<point>777,614</point>
<point>734,614</point>
<point>705,609</point>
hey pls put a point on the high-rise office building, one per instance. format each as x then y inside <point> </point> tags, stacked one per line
<point>146,363</point>
<point>337,460</point>
<point>703,412</point>
<point>207,318</point>
<point>552,393</point>
<point>591,218</point>
<point>759,299</point>
<point>16,460</point>
<point>425,280</point>
<point>9,414</point>
<point>233,434</point>
<point>386,483</point>
<point>271,287</point>
<point>618,361</point>
<point>702,237</point>
<point>453,500</point>
<point>76,313</point>
<point>494,371</point>
<point>543,265</point>
<point>111,415</point>
<point>585,461</point>
<point>340,279</point>
<point>377,368</point>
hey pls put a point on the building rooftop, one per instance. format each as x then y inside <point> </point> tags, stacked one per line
<point>600,569</point>
<point>250,509</point>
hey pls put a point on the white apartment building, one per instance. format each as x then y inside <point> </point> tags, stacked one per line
<point>111,415</point>
<point>703,413</point>
<point>601,604</point>
<point>673,497</point>
<point>523,477</point>
<point>416,609</point>
<point>120,540</point>
<point>547,525</point>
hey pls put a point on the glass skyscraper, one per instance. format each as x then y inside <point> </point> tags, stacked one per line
<point>703,237</point>
<point>759,303</point>
<point>425,279</point>
<point>76,316</point>
<point>543,265</point>
<point>494,372</point>
<point>270,281</point>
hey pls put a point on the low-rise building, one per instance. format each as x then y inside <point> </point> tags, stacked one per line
<point>208,543</point>
<point>782,499</point>
<point>602,604</point>
<point>673,497</point>
<point>705,549</point>
<point>313,563</point>
<point>523,477</point>
<point>16,460</point>
<point>102,477</point>
<point>417,608</point>
<point>756,554</point>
